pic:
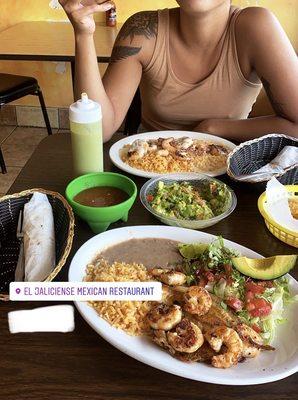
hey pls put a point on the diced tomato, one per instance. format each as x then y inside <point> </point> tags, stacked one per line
<point>254,288</point>
<point>230,281</point>
<point>228,269</point>
<point>209,276</point>
<point>256,328</point>
<point>260,312</point>
<point>260,303</point>
<point>249,296</point>
<point>261,308</point>
<point>202,282</point>
<point>234,303</point>
<point>250,306</point>
<point>150,197</point>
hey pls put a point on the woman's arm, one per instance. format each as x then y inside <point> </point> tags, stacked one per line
<point>115,92</point>
<point>271,55</point>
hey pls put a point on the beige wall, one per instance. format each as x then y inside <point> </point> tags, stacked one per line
<point>57,86</point>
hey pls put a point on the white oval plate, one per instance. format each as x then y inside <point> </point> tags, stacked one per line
<point>268,367</point>
<point>116,159</point>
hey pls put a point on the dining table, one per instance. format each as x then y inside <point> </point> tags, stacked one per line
<point>81,364</point>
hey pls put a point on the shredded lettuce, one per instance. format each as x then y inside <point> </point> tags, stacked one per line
<point>219,288</point>
<point>279,297</point>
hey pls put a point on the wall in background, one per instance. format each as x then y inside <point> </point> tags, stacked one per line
<point>55,80</point>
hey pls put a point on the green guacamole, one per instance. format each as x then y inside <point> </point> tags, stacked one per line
<point>184,201</point>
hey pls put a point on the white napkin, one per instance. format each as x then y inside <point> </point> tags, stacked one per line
<point>39,238</point>
<point>278,205</point>
<point>285,159</point>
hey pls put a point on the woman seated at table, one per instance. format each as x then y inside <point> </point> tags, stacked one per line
<point>199,66</point>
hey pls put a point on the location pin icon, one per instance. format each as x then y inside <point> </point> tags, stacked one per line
<point>18,291</point>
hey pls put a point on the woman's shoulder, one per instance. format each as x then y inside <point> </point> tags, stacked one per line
<point>140,32</point>
<point>143,24</point>
<point>253,21</point>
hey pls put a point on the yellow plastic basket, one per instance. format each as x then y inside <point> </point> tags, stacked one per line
<point>285,235</point>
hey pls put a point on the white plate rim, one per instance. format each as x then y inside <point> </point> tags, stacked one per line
<point>104,331</point>
<point>115,148</point>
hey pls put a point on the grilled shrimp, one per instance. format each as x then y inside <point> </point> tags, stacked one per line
<point>138,149</point>
<point>160,337</point>
<point>249,350</point>
<point>164,317</point>
<point>186,337</point>
<point>249,334</point>
<point>197,300</point>
<point>169,277</point>
<point>166,144</point>
<point>167,295</point>
<point>162,152</point>
<point>223,335</point>
<point>252,341</point>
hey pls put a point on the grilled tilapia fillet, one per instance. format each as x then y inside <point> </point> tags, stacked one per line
<point>217,316</point>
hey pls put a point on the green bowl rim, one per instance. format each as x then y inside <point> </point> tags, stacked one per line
<point>134,195</point>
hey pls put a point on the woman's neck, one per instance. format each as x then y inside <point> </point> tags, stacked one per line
<point>202,30</point>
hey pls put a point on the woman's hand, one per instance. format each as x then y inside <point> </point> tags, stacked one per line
<point>208,126</point>
<point>80,13</point>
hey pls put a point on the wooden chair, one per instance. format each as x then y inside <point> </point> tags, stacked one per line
<point>13,87</point>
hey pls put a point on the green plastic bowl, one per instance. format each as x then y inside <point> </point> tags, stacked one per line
<point>99,218</point>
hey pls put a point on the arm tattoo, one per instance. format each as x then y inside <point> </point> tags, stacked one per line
<point>121,52</point>
<point>277,107</point>
<point>141,24</point>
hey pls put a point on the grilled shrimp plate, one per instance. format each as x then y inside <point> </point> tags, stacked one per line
<point>197,300</point>
<point>222,335</point>
<point>164,317</point>
<point>186,337</point>
<point>169,277</point>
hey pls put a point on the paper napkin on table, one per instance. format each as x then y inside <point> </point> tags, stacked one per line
<point>39,238</point>
<point>278,205</point>
<point>286,158</point>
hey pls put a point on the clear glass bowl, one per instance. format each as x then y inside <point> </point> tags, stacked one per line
<point>195,180</point>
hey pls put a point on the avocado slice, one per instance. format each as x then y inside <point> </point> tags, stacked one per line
<point>265,268</point>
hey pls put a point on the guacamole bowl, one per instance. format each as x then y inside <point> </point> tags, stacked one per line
<point>100,218</point>
<point>188,200</point>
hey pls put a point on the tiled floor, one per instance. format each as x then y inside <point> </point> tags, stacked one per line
<point>17,144</point>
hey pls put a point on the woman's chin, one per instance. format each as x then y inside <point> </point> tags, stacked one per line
<point>200,6</point>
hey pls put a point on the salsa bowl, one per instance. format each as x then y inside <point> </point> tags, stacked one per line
<point>100,218</point>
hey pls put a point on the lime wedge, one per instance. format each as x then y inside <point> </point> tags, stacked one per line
<point>192,251</point>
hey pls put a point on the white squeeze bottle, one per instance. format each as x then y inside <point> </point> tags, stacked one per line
<point>85,119</point>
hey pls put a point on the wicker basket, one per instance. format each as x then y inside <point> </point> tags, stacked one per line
<point>10,207</point>
<point>282,233</point>
<point>254,154</point>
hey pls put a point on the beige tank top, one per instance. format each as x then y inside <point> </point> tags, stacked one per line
<point>169,103</point>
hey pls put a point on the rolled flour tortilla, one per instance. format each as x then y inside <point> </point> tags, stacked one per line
<point>39,238</point>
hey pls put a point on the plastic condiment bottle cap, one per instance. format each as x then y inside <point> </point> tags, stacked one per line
<point>85,110</point>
